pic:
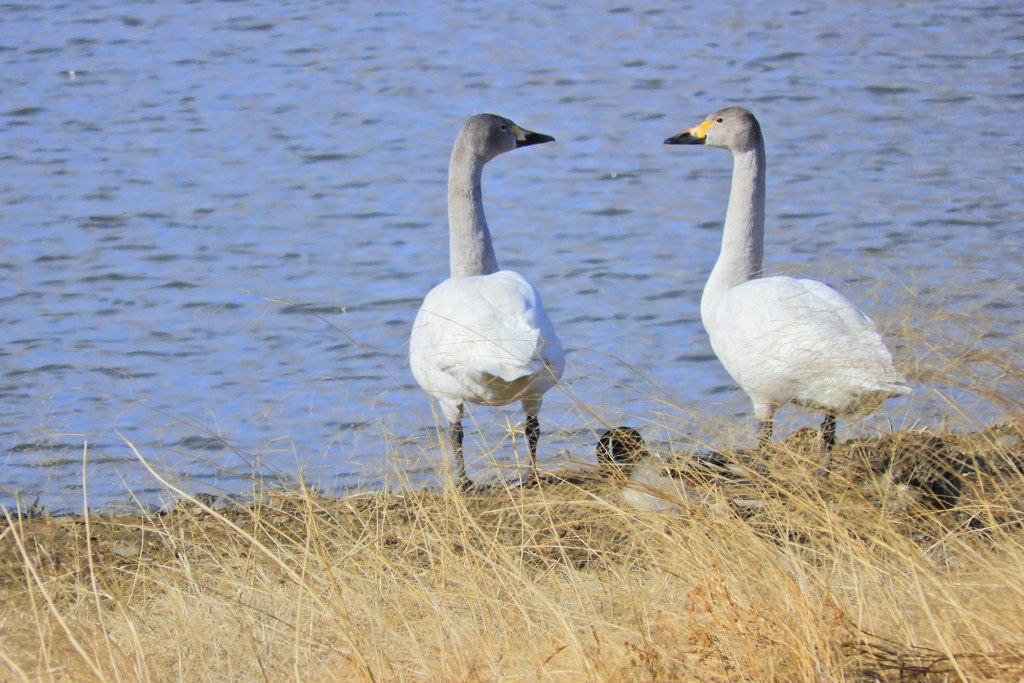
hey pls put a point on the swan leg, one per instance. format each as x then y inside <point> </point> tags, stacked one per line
<point>455,434</point>
<point>765,414</point>
<point>828,441</point>
<point>532,438</point>
<point>764,436</point>
<point>454,412</point>
<point>828,432</point>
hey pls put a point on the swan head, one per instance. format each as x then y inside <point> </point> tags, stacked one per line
<point>620,449</point>
<point>489,135</point>
<point>732,128</point>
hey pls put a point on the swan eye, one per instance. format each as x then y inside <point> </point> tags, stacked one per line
<point>504,127</point>
<point>719,120</point>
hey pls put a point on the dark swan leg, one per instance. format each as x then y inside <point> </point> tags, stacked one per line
<point>455,434</point>
<point>828,441</point>
<point>764,436</point>
<point>764,441</point>
<point>532,438</point>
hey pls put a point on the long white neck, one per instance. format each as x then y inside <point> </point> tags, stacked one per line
<point>470,248</point>
<point>743,235</point>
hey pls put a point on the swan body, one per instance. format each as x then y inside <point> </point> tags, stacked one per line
<point>486,339</point>
<point>795,340</point>
<point>482,336</point>
<point>782,339</point>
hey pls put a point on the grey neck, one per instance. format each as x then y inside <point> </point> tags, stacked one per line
<point>743,234</point>
<point>470,248</point>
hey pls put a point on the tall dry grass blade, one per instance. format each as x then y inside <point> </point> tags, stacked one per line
<point>100,616</point>
<point>348,628</point>
<point>39,583</point>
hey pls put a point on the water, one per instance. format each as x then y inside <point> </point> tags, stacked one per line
<point>220,218</point>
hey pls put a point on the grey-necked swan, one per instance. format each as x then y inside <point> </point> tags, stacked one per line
<point>482,335</point>
<point>782,339</point>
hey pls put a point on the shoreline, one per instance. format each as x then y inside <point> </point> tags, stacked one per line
<point>905,454</point>
<point>869,575</point>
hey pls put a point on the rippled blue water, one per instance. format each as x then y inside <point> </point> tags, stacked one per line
<point>219,218</point>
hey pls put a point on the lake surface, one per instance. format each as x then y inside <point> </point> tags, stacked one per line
<point>219,220</point>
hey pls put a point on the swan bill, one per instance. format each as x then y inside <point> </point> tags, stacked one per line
<point>531,138</point>
<point>697,135</point>
<point>687,137</point>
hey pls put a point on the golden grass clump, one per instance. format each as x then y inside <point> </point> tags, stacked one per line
<point>907,564</point>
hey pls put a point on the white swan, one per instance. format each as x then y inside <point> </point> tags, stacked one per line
<point>482,335</point>
<point>782,339</point>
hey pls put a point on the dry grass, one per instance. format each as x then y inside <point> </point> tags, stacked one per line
<point>907,564</point>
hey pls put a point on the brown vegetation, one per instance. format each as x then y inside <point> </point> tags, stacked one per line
<point>907,564</point>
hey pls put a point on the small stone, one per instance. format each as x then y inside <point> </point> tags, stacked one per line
<point>128,508</point>
<point>1009,442</point>
<point>245,501</point>
<point>128,550</point>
